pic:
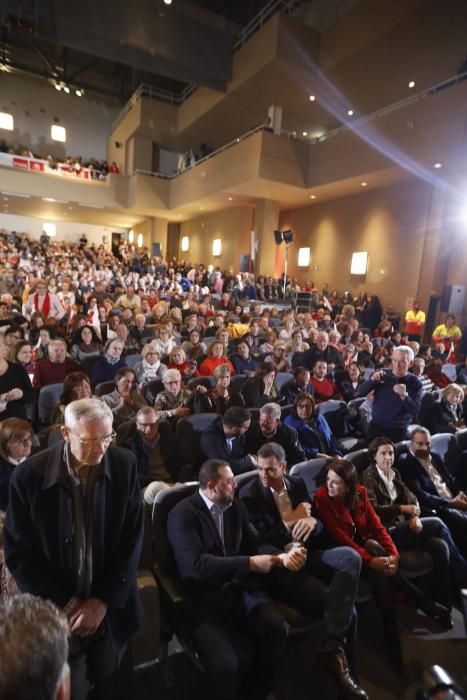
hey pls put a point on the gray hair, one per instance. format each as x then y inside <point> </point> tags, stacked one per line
<point>273,410</point>
<point>408,351</point>
<point>58,341</point>
<point>86,410</point>
<point>146,411</point>
<point>172,375</point>
<point>272,449</point>
<point>34,643</point>
<point>419,429</point>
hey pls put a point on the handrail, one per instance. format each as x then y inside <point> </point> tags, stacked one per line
<point>257,22</point>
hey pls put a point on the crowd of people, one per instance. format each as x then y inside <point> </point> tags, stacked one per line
<point>99,169</point>
<point>128,348</point>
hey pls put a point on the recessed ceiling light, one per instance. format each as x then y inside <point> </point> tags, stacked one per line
<point>66,89</point>
<point>438,165</point>
<point>78,93</point>
<point>364,184</point>
<point>304,133</point>
<point>58,87</point>
<point>230,199</point>
<point>350,112</point>
<point>167,2</point>
<point>312,196</point>
<point>412,84</point>
<point>202,208</point>
<point>5,198</point>
<point>312,98</point>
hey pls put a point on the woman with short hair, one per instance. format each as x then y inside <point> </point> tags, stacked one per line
<point>124,401</point>
<point>15,447</point>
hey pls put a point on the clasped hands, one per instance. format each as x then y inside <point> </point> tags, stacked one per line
<point>300,522</point>
<point>86,617</point>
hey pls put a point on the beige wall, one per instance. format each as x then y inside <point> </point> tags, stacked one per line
<point>387,223</point>
<point>232,226</point>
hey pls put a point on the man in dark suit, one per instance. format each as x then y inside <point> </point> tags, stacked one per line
<point>270,429</point>
<point>73,535</point>
<point>224,577</point>
<point>225,439</point>
<point>434,486</point>
<point>322,351</point>
<point>281,512</point>
<point>300,384</point>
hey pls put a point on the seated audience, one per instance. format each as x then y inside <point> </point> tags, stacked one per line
<point>261,388</point>
<point>297,344</point>
<point>150,367</point>
<point>226,439</point>
<point>286,520</point>
<point>175,401</point>
<point>164,343</point>
<point>435,488</point>
<point>106,367</point>
<point>77,385</point>
<point>399,512</point>
<point>298,385</point>
<point>216,356</point>
<point>194,347</point>
<point>140,333</point>
<point>15,388</point>
<point>15,446</point>
<point>322,351</point>
<point>221,397</point>
<point>447,333</point>
<point>242,360</point>
<point>418,368</point>
<point>21,354</point>
<point>324,387</point>
<point>447,414</point>
<point>187,368</point>
<point>314,434</point>
<point>350,382</point>
<point>350,520</point>
<point>85,344</point>
<point>124,401</point>
<point>436,375</point>
<point>43,302</point>
<point>271,429</point>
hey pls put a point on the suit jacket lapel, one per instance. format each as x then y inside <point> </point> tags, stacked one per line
<point>208,519</point>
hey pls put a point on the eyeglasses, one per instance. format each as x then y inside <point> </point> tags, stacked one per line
<point>90,442</point>
<point>23,441</point>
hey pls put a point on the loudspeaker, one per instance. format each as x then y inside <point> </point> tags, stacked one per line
<point>278,237</point>
<point>453,298</point>
<point>287,236</point>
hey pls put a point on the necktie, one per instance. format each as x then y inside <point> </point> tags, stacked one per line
<point>217,517</point>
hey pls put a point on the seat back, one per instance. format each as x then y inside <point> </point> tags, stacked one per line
<point>208,382</point>
<point>359,459</point>
<point>312,473</point>
<point>442,443</point>
<point>281,379</point>
<point>104,388</point>
<point>88,363</point>
<point>238,381</point>
<point>49,396</point>
<point>245,478</point>
<point>336,414</point>
<point>131,360</point>
<point>163,504</point>
<point>188,437</point>
<point>367,372</point>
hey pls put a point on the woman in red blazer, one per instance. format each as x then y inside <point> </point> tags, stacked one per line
<point>349,518</point>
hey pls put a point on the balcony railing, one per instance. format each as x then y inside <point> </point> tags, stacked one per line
<point>38,165</point>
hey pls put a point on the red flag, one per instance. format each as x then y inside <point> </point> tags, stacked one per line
<point>451,358</point>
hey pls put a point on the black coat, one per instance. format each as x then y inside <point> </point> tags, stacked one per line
<point>39,535</point>
<point>421,484</point>
<point>286,437</point>
<point>214,446</point>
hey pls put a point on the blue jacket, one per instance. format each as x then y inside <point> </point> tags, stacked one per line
<point>389,410</point>
<point>311,439</point>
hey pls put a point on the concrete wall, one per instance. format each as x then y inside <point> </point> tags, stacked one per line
<point>36,105</point>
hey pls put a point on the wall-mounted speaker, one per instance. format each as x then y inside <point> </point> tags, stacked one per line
<point>278,237</point>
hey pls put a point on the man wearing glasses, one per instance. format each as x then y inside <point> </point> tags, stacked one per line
<point>73,535</point>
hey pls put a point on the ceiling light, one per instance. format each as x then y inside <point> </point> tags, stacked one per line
<point>58,87</point>
<point>364,184</point>
<point>312,196</point>
<point>304,133</point>
<point>66,89</point>
<point>438,165</point>
<point>167,2</point>
<point>17,194</point>
<point>412,84</point>
<point>230,199</point>
<point>78,93</point>
<point>202,208</point>
<point>312,98</point>
<point>350,112</point>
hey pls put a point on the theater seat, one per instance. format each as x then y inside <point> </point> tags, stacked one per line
<point>312,472</point>
<point>104,388</point>
<point>188,437</point>
<point>49,396</point>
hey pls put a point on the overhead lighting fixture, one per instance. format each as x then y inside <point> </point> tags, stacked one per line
<point>167,2</point>
<point>217,247</point>
<point>312,196</point>
<point>438,165</point>
<point>51,199</point>
<point>58,87</point>
<point>79,93</point>
<point>312,98</point>
<point>58,133</point>
<point>359,263</point>
<point>412,84</point>
<point>304,133</point>
<point>91,206</point>
<point>364,184</point>
<point>350,112</point>
<point>201,208</point>
<point>230,199</point>
<point>185,244</point>
<point>66,89</point>
<point>131,237</point>
<point>6,121</point>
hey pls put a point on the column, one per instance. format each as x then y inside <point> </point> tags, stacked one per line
<point>266,222</point>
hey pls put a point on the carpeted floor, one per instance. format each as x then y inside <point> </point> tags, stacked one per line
<point>295,678</point>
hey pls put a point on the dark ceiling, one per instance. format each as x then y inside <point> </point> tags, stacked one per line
<point>113,46</point>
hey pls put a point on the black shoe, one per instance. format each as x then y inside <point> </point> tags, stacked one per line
<point>336,664</point>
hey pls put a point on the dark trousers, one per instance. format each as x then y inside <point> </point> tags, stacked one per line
<point>456,521</point>
<point>240,637</point>
<point>98,670</point>
<point>325,587</point>
<point>394,434</point>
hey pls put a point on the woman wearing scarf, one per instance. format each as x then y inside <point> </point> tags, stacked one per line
<point>40,301</point>
<point>150,367</point>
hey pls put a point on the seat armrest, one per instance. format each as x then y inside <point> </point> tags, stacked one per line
<point>170,585</point>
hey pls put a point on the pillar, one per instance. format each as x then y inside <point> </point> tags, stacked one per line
<point>266,222</point>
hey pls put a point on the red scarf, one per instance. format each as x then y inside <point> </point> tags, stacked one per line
<point>45,306</point>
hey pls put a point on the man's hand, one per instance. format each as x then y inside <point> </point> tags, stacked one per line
<point>303,528</point>
<point>201,389</point>
<point>262,563</point>
<point>410,510</point>
<point>385,565</point>
<point>400,389</point>
<point>416,525</point>
<point>87,617</point>
<point>181,412</point>
<point>303,510</point>
<point>14,395</point>
<point>295,559</point>
<point>459,502</point>
<point>378,376</point>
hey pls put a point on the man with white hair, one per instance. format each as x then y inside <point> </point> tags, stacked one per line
<point>271,429</point>
<point>397,397</point>
<point>54,368</point>
<point>73,535</point>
